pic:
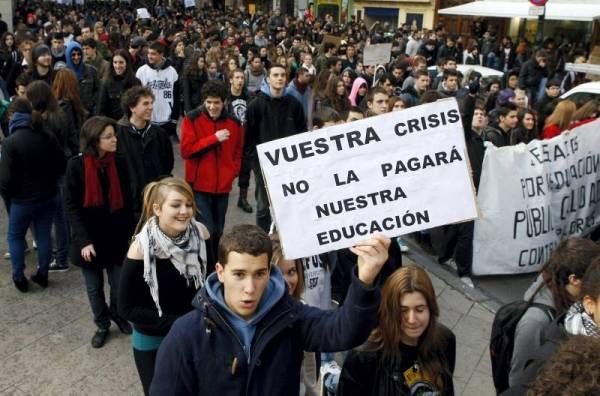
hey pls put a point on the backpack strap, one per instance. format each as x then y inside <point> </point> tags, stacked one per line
<point>548,310</point>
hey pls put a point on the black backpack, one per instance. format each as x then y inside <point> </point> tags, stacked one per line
<point>502,340</point>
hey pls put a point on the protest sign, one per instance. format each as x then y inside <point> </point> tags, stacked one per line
<point>377,54</point>
<point>394,174</point>
<point>190,3</point>
<point>332,39</point>
<point>142,13</point>
<point>533,196</point>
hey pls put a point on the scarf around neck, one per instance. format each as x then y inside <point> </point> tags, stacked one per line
<point>94,195</point>
<point>187,253</point>
<point>578,322</point>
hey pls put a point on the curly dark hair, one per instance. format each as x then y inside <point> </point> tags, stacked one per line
<point>574,370</point>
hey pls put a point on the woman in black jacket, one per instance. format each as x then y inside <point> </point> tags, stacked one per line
<point>65,89</point>
<point>409,352</point>
<point>9,55</point>
<point>526,129</point>
<point>194,77</point>
<point>166,265</point>
<point>118,79</point>
<point>101,216</point>
<point>32,162</point>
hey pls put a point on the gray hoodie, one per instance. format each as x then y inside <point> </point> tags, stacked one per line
<point>529,329</point>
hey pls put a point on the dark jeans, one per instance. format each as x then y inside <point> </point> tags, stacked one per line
<point>246,168</point>
<point>94,284</point>
<point>463,253</point>
<point>20,217</point>
<point>61,227</point>
<point>212,208</point>
<point>263,215</point>
<point>144,362</point>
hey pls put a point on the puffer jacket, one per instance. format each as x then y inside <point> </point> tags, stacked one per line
<point>210,165</point>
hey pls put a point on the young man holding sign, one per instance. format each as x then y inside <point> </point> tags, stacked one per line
<point>246,327</point>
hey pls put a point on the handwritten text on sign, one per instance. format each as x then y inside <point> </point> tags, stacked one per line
<point>533,196</point>
<point>394,174</point>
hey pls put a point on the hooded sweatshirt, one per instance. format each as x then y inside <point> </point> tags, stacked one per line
<point>528,334</point>
<point>80,68</point>
<point>245,329</point>
<point>353,97</point>
<point>161,80</point>
<point>87,77</point>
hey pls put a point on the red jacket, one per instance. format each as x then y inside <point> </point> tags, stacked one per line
<point>211,166</point>
<point>551,131</point>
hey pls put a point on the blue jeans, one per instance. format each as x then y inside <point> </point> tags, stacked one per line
<point>94,285</point>
<point>20,217</point>
<point>61,227</point>
<point>212,208</point>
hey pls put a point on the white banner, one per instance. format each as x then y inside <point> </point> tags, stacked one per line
<point>396,173</point>
<point>533,196</point>
<point>377,54</point>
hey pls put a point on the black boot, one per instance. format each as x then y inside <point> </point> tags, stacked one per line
<point>243,201</point>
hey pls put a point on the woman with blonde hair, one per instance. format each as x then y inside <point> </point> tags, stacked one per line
<point>560,119</point>
<point>409,352</point>
<point>165,266</point>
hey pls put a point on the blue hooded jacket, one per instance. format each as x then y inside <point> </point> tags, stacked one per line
<point>78,69</point>
<point>19,120</point>
<point>245,329</point>
<point>203,354</point>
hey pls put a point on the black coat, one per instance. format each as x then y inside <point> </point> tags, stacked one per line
<point>149,157</point>
<point>531,75</point>
<point>108,232</point>
<point>32,162</point>
<point>109,97</point>
<point>192,87</point>
<point>89,84</point>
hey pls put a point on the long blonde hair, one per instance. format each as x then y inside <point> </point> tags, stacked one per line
<point>562,115</point>
<point>156,193</point>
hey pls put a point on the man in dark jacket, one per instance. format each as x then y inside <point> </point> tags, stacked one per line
<point>211,145</point>
<point>499,135</point>
<point>147,147</point>
<point>246,326</point>
<point>32,162</point>
<point>271,115</point>
<point>87,77</point>
<point>41,68</point>
<point>531,75</point>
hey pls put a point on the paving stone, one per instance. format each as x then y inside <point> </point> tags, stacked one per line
<point>453,299</point>
<point>450,317</point>
<point>467,359</point>
<point>479,312</point>
<point>479,385</point>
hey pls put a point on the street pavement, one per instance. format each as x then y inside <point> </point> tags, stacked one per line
<point>45,334</point>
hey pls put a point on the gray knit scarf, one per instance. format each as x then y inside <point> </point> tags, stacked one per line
<point>186,252</point>
<point>578,322</point>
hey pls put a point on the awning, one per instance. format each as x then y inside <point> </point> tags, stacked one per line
<point>573,10</point>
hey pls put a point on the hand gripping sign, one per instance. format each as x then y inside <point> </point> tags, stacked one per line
<point>392,174</point>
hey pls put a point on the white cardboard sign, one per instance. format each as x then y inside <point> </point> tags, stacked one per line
<point>377,54</point>
<point>533,196</point>
<point>394,174</point>
<point>142,13</point>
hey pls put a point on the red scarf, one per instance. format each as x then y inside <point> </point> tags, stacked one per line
<point>93,189</point>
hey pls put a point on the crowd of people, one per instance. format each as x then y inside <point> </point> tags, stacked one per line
<point>97,103</point>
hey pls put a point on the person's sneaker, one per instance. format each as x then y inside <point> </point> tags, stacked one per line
<point>7,256</point>
<point>40,280</point>
<point>403,245</point>
<point>122,324</point>
<point>22,285</point>
<point>55,267</point>
<point>99,338</point>
<point>467,281</point>
<point>450,263</point>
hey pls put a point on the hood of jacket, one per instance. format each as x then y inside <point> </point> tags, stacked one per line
<point>78,69</point>
<point>19,120</point>
<point>265,88</point>
<point>543,296</point>
<point>355,87</point>
<point>245,329</point>
<point>161,65</point>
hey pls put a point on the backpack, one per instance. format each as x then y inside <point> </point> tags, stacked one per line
<point>502,339</point>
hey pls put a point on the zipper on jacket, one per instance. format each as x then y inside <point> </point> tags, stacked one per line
<point>217,160</point>
<point>233,333</point>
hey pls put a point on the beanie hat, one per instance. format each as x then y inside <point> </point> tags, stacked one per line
<point>38,51</point>
<point>553,83</point>
<point>505,96</point>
